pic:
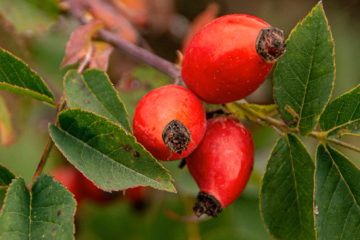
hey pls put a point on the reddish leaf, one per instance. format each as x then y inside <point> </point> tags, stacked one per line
<point>199,22</point>
<point>111,19</point>
<point>100,55</point>
<point>79,41</point>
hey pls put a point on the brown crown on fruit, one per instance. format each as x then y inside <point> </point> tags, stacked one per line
<point>270,44</point>
<point>206,204</point>
<point>176,136</point>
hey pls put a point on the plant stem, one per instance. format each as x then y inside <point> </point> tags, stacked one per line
<point>343,144</point>
<point>49,144</point>
<point>142,54</point>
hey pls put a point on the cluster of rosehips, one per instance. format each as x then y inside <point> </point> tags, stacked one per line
<point>226,61</point>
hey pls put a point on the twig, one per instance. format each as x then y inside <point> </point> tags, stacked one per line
<point>343,144</point>
<point>60,107</point>
<point>49,144</point>
<point>142,54</point>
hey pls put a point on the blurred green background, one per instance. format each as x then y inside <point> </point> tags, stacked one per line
<point>40,40</point>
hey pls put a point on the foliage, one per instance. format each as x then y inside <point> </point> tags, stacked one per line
<point>300,197</point>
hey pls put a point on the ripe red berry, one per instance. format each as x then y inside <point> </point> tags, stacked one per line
<point>231,57</point>
<point>79,185</point>
<point>221,165</point>
<point>68,177</point>
<point>169,122</point>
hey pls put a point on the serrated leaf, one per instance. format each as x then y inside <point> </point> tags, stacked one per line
<point>342,115</point>
<point>47,212</point>
<point>251,111</point>
<point>94,92</point>
<point>287,191</point>
<point>6,176</point>
<point>135,86</point>
<point>6,133</point>
<point>106,154</point>
<point>304,76</point>
<point>33,15</point>
<point>17,77</point>
<point>337,195</point>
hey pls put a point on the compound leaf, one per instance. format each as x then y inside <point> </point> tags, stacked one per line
<point>17,77</point>
<point>93,91</point>
<point>304,76</point>
<point>287,191</point>
<point>106,154</point>
<point>342,115</point>
<point>47,212</point>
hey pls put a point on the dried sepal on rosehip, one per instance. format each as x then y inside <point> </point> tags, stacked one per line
<point>169,122</point>
<point>231,57</point>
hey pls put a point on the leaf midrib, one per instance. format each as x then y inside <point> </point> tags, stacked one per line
<point>83,78</point>
<point>128,169</point>
<point>343,179</point>
<point>295,183</point>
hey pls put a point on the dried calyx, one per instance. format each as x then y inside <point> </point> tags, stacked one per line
<point>206,203</point>
<point>270,44</point>
<point>176,136</point>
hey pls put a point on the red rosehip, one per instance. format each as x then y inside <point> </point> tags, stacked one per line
<point>79,185</point>
<point>221,165</point>
<point>169,122</point>
<point>68,177</point>
<point>91,191</point>
<point>231,57</point>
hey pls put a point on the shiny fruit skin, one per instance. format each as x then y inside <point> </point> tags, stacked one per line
<point>221,63</point>
<point>159,107</point>
<point>221,165</point>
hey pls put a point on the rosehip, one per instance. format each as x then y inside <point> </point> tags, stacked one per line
<point>231,57</point>
<point>79,185</point>
<point>221,164</point>
<point>169,122</point>
<point>68,177</point>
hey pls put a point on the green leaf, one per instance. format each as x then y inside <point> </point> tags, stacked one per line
<point>287,191</point>
<point>106,154</point>
<point>33,15</point>
<point>6,176</point>
<point>342,115</point>
<point>2,195</point>
<point>47,212</point>
<point>17,77</point>
<point>337,195</point>
<point>304,76</point>
<point>94,92</point>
